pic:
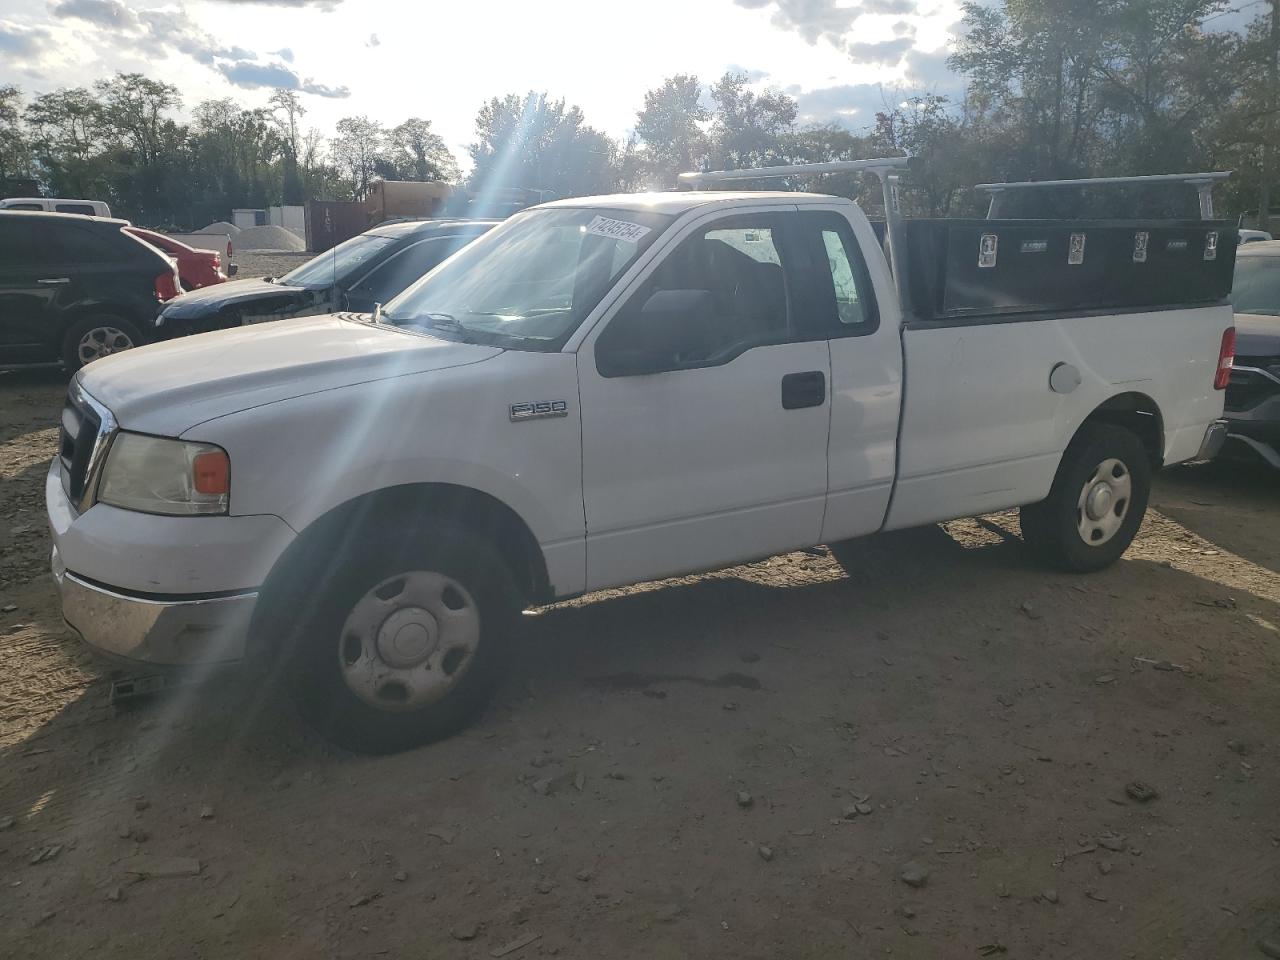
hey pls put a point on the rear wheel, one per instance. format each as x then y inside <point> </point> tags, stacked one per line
<point>1096,504</point>
<point>406,641</point>
<point>95,337</point>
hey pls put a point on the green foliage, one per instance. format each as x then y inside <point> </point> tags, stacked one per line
<point>419,153</point>
<point>532,143</point>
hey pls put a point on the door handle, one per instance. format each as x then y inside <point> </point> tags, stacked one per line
<point>808,389</point>
<point>56,280</point>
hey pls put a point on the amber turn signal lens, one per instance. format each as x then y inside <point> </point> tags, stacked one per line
<point>211,472</point>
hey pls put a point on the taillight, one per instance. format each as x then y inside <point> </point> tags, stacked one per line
<point>166,286</point>
<point>1226,357</point>
<point>228,249</point>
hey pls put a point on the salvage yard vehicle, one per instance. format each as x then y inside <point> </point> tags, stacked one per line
<point>196,268</point>
<point>76,288</point>
<point>356,275</point>
<point>1253,395</point>
<point>88,208</point>
<point>609,390</point>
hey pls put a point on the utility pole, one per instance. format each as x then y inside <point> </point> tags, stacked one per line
<point>1269,134</point>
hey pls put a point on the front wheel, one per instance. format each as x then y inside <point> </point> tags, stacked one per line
<point>1096,504</point>
<point>406,641</point>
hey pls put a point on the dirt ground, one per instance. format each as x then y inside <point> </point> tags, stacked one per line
<point>676,770</point>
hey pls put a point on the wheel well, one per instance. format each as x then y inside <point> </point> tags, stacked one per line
<point>293,575</point>
<point>1137,413</point>
<point>86,310</point>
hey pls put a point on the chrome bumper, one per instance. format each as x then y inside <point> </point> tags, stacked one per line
<point>198,631</point>
<point>1214,437</point>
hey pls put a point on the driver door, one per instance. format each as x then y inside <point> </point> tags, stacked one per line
<point>718,455</point>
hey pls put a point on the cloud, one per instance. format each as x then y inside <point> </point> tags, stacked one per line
<point>886,51</point>
<point>889,6</point>
<point>753,76</point>
<point>318,4</point>
<point>105,13</point>
<point>930,71</point>
<point>284,53</point>
<point>245,73</point>
<point>21,43</point>
<point>813,19</point>
<point>853,106</point>
<point>831,21</point>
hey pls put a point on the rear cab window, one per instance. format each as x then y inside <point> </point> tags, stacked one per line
<point>83,208</point>
<point>841,295</point>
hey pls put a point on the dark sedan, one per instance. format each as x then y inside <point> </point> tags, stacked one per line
<point>356,275</point>
<point>1253,395</point>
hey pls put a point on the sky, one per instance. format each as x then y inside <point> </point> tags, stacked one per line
<point>391,59</point>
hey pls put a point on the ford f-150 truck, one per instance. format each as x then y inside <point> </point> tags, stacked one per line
<point>610,390</point>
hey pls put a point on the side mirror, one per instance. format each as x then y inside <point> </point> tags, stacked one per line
<point>672,329</point>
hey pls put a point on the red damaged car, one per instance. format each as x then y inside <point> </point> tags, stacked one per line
<point>196,268</point>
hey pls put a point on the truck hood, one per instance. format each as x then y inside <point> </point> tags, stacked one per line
<point>208,301</point>
<point>169,387</point>
<point>1257,335</point>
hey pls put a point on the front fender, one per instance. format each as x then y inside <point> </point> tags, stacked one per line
<point>311,454</point>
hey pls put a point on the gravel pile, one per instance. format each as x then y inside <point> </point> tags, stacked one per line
<point>270,237</point>
<point>220,226</point>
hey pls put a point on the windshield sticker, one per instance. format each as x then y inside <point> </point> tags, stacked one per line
<point>617,229</point>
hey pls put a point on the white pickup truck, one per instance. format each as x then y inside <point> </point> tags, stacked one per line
<point>610,390</point>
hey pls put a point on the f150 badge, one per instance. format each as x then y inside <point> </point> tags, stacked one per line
<point>538,410</point>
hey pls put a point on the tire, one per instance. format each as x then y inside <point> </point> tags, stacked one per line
<point>407,639</point>
<point>1096,504</point>
<point>101,334</point>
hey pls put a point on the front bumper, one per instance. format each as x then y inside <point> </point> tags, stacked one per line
<point>155,631</point>
<point>1253,413</point>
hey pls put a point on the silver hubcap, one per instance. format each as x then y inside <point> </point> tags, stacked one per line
<point>1104,502</point>
<point>101,342</point>
<point>409,641</point>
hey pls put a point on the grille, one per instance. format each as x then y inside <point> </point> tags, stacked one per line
<point>85,428</point>
<point>1248,388</point>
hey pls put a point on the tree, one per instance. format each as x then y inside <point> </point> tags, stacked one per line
<point>749,129</point>
<point>287,112</point>
<point>419,153</point>
<point>1079,87</point>
<point>133,107</point>
<point>15,151</point>
<point>538,144</point>
<point>235,157</point>
<point>946,150</point>
<point>670,129</point>
<point>823,143</point>
<point>67,134</point>
<point>358,148</point>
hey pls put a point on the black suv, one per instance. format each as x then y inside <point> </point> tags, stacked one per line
<point>366,270</point>
<point>75,288</point>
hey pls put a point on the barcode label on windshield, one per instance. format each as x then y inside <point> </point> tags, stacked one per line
<point>617,229</point>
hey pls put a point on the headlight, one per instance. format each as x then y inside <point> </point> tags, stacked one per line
<point>155,475</point>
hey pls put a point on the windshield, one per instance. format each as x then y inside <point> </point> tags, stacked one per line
<point>339,264</point>
<point>530,282</point>
<point>1256,288</point>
